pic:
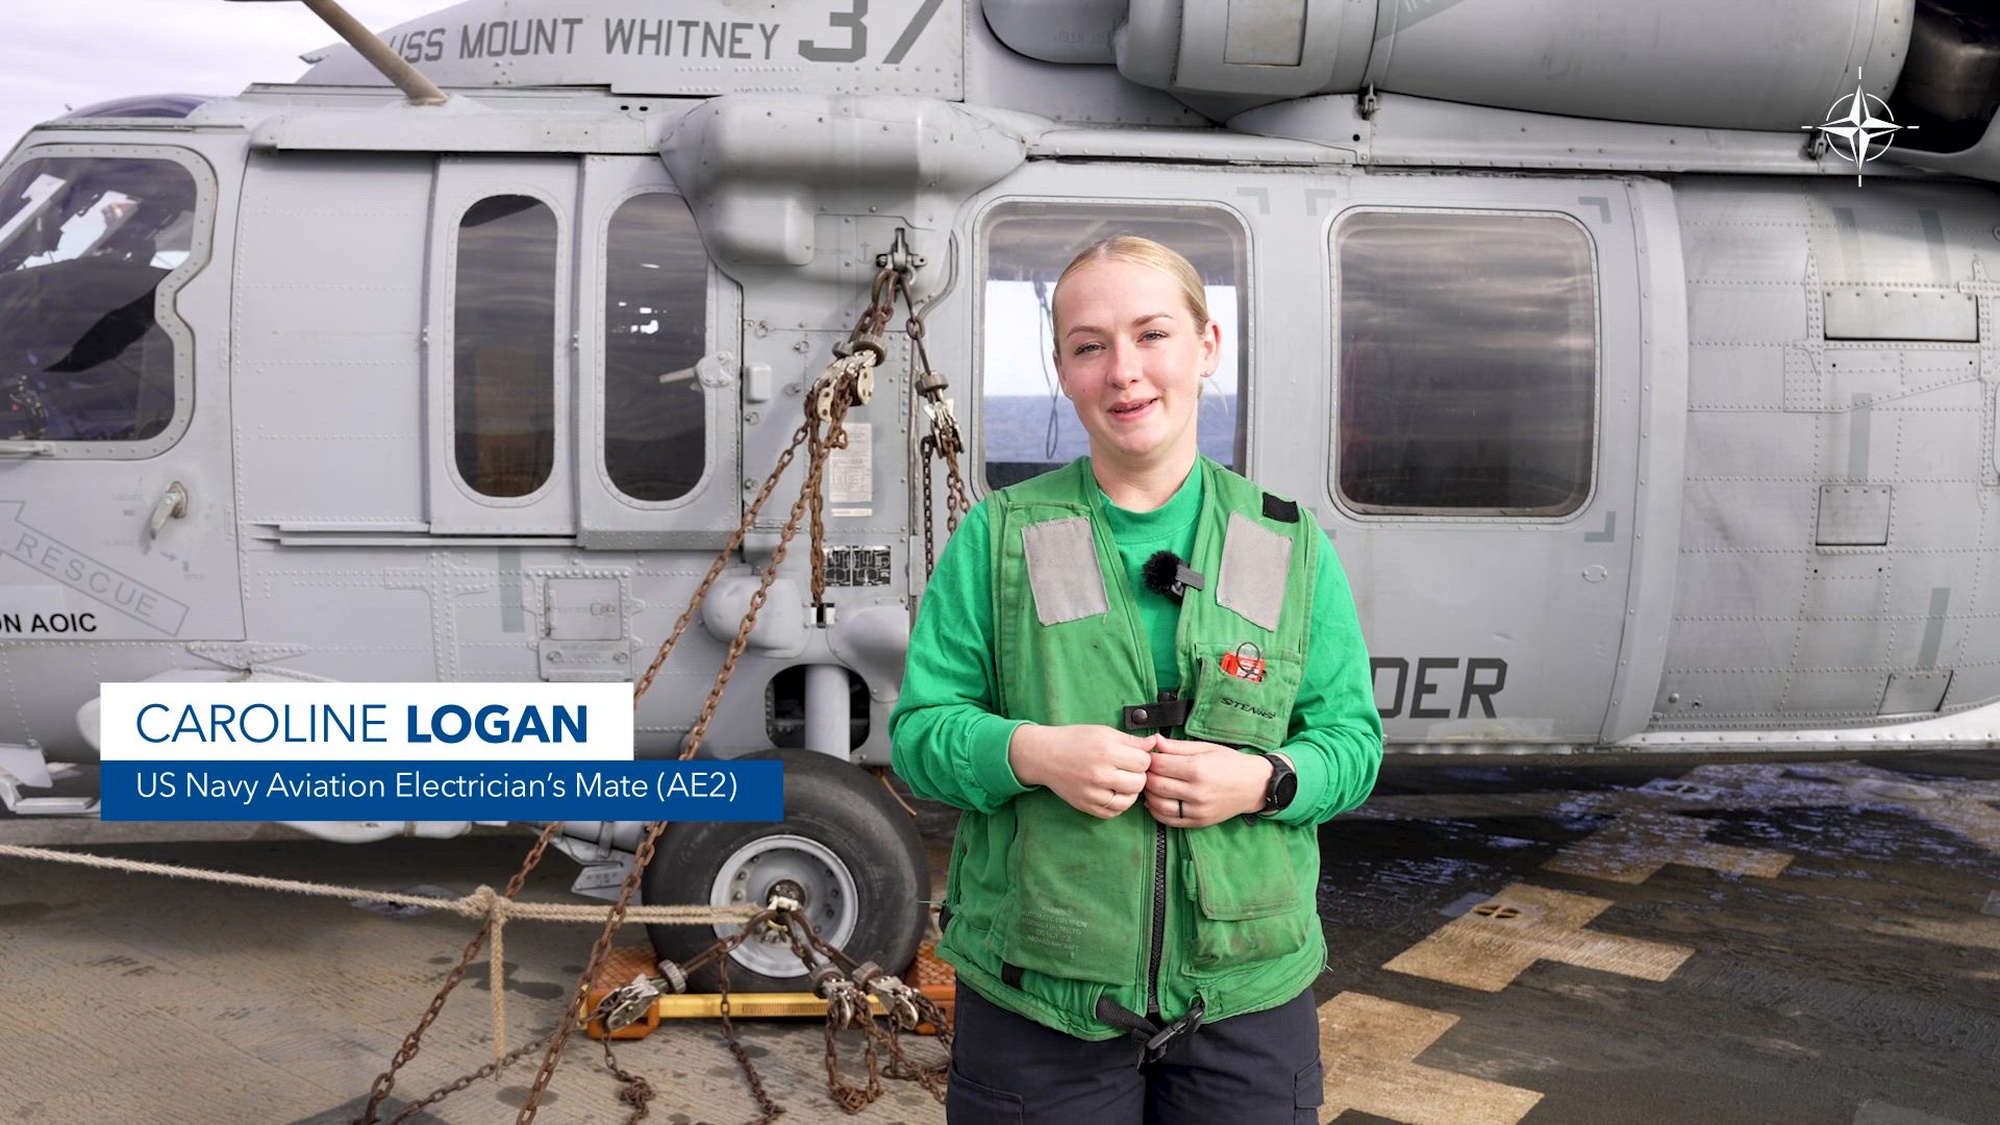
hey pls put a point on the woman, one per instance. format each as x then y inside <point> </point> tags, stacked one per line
<point>1141,678</point>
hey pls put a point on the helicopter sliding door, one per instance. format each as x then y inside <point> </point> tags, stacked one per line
<point>1484,412</point>
<point>658,334</point>
<point>500,371</point>
<point>581,378</point>
<point>1450,372</point>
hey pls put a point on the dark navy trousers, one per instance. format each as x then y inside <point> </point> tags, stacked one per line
<point>1257,1069</point>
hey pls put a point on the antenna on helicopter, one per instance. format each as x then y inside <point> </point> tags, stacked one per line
<point>419,90</point>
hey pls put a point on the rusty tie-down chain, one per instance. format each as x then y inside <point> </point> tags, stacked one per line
<point>846,988</point>
<point>846,382</point>
<point>942,444</point>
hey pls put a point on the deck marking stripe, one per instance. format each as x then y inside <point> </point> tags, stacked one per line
<point>1636,844</point>
<point>1369,1046</point>
<point>1497,941</point>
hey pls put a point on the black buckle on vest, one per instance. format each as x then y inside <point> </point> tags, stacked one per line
<point>1155,1040</point>
<point>1168,712</point>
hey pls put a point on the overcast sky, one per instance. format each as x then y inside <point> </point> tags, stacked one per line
<point>71,53</point>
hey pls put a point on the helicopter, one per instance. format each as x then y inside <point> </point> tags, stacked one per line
<point>1640,363</point>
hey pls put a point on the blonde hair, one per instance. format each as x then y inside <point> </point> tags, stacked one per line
<point>1144,252</point>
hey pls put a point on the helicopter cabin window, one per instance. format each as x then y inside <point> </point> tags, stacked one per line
<point>92,249</point>
<point>1026,426</point>
<point>655,330</point>
<point>1468,363</point>
<point>503,346</point>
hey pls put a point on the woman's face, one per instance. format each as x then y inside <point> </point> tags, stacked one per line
<point>1131,359</point>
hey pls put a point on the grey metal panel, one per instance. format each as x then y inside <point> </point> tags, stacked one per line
<point>1924,449</point>
<point>1736,644</point>
<point>1890,234</point>
<point>1753,249</point>
<point>1187,47</point>
<point>1899,313</point>
<point>1916,376</point>
<point>1665,390</point>
<point>1746,315</point>
<point>999,76</point>
<point>1684,62</point>
<point>1847,644</point>
<point>1427,132</point>
<point>1761,216</point>
<point>1265,33</point>
<point>460,129</point>
<point>584,609</point>
<point>1729,585</point>
<point>1749,516</point>
<point>1745,445</point>
<point>761,171</point>
<point>1844,586</point>
<point>1992,445</point>
<point>1854,515</point>
<point>1859,421</point>
<point>1696,699</point>
<point>1914,692</point>
<point>1832,694</point>
<point>1937,517</point>
<point>1967,574</point>
<point>1727,377</point>
<point>1056,31</point>
<point>329,360</point>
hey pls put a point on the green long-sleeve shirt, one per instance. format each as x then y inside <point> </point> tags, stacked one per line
<point>951,745</point>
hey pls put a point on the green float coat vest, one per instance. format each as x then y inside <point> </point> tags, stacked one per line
<point>1052,908</point>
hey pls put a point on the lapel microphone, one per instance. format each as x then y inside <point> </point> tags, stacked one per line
<point>1166,575</point>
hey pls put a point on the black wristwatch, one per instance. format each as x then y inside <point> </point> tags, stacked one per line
<point>1284,785</point>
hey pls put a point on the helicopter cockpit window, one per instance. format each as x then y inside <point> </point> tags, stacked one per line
<point>504,341</point>
<point>1468,363</point>
<point>86,243</point>
<point>1026,426</point>
<point>655,330</point>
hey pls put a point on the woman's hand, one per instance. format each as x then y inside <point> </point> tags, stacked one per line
<point>1196,784</point>
<point>1096,769</point>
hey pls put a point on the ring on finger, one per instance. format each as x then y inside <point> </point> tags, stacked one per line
<point>1182,806</point>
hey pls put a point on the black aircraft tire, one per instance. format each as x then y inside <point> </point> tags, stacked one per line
<point>844,840</point>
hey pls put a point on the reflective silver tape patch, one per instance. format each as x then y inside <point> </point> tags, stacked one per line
<point>1255,564</point>
<point>1063,570</point>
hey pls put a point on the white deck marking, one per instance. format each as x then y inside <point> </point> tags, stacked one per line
<point>1495,941</point>
<point>1635,845</point>
<point>1369,1046</point>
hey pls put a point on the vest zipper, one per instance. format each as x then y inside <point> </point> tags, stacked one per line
<point>1159,920</point>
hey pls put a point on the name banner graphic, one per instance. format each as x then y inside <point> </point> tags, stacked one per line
<point>356,722</point>
<point>456,789</point>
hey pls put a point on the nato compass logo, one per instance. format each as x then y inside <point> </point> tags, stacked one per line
<point>1854,130</point>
